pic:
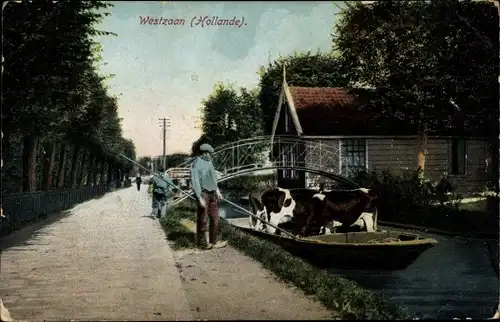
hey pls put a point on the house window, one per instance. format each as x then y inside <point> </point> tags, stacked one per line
<point>288,120</point>
<point>284,159</point>
<point>353,152</point>
<point>290,158</point>
<point>458,157</point>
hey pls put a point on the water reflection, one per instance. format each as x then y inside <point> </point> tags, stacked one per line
<point>452,279</point>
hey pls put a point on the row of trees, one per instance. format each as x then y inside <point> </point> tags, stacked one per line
<point>61,126</point>
<point>433,64</point>
<point>157,162</point>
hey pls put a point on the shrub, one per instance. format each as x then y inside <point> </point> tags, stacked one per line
<point>249,183</point>
<point>410,199</point>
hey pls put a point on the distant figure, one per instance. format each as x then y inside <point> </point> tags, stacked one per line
<point>138,181</point>
<point>160,192</point>
<point>204,181</point>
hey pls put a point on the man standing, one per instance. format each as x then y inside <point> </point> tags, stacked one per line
<point>160,191</point>
<point>138,181</point>
<point>204,181</point>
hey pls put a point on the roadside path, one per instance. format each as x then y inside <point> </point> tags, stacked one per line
<point>107,260</point>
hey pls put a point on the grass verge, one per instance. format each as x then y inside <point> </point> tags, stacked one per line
<point>180,236</point>
<point>345,297</point>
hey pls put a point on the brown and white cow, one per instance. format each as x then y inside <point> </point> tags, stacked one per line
<point>279,206</point>
<point>259,210</point>
<point>328,207</point>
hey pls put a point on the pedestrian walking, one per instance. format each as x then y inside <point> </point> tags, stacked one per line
<point>160,193</point>
<point>204,182</point>
<point>138,181</point>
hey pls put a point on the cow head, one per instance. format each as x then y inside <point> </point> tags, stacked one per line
<point>279,206</point>
<point>275,199</point>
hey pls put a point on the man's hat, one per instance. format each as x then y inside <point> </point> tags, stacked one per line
<point>205,147</point>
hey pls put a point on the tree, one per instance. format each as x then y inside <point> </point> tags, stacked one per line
<point>219,114</point>
<point>302,69</point>
<point>173,160</point>
<point>434,63</point>
<point>128,149</point>
<point>48,47</point>
<point>229,115</point>
<point>146,163</point>
<point>53,95</point>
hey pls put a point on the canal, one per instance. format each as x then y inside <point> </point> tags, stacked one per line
<point>453,279</point>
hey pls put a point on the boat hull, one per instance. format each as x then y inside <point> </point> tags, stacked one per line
<point>351,250</point>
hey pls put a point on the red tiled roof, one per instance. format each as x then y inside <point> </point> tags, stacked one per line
<point>339,111</point>
<point>326,110</point>
<point>305,97</point>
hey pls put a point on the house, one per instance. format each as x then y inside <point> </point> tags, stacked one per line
<point>350,142</point>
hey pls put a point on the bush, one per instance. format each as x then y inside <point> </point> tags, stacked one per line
<point>409,199</point>
<point>249,183</point>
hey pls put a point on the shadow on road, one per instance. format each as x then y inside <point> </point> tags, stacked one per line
<point>31,232</point>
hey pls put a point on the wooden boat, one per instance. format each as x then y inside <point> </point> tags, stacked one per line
<point>381,249</point>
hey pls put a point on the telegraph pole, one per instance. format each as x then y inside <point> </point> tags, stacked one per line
<point>165,124</point>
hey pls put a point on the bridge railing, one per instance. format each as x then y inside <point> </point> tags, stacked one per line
<point>179,172</point>
<point>25,207</point>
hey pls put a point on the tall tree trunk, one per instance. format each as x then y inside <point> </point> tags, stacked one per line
<point>61,169</point>
<point>74,166</point>
<point>48,166</point>
<point>5,145</point>
<point>30,148</point>
<point>82,169</point>
<point>99,171</point>
<point>90,171</point>
<point>117,178</point>
<point>95,171</point>
<point>110,173</point>
<point>102,172</point>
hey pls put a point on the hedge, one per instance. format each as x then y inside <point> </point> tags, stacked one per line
<point>344,297</point>
<point>410,199</point>
<point>249,183</point>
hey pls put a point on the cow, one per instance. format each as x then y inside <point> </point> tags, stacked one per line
<point>279,206</point>
<point>259,210</point>
<point>343,206</point>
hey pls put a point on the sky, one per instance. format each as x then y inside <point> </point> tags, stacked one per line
<point>167,70</point>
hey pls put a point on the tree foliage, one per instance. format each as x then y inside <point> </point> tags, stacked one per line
<point>302,69</point>
<point>54,98</point>
<point>229,115</point>
<point>144,161</point>
<point>434,63</point>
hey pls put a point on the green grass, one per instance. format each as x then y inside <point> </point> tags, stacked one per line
<point>344,297</point>
<point>180,236</point>
<point>479,205</point>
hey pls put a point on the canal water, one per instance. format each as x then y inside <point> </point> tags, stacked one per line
<point>453,279</point>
